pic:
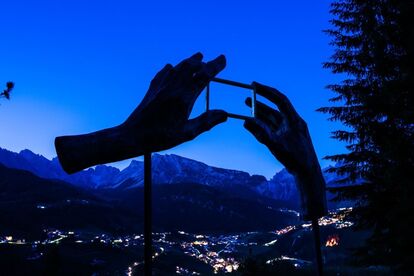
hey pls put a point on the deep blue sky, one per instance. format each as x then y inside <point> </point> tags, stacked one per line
<point>80,66</point>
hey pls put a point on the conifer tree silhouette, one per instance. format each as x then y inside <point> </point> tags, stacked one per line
<point>374,51</point>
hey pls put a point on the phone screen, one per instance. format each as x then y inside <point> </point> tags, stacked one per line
<point>230,96</point>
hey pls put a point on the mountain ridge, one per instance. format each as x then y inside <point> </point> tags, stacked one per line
<point>43,167</point>
<point>167,169</point>
<point>30,204</point>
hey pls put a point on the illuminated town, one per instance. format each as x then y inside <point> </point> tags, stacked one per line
<point>222,253</point>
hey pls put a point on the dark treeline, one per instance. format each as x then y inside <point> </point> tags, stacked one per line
<point>374,51</point>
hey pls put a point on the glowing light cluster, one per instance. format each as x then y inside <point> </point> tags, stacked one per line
<point>332,240</point>
<point>285,230</point>
<point>184,271</point>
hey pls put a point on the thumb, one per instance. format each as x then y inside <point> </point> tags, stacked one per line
<point>204,122</point>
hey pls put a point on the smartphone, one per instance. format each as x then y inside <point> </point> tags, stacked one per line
<point>234,84</point>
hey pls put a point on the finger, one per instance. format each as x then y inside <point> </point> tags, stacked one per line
<point>161,74</point>
<point>209,71</point>
<point>157,81</point>
<point>266,113</point>
<point>203,123</point>
<point>278,98</point>
<point>203,77</point>
<point>258,129</point>
<point>197,56</point>
<point>260,132</point>
<point>216,65</point>
<point>191,64</point>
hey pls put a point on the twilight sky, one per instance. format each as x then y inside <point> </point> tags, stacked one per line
<point>80,66</point>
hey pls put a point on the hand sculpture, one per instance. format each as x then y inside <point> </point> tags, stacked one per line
<point>158,123</point>
<point>287,137</point>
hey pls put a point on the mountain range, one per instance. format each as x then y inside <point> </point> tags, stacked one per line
<point>36,193</point>
<point>29,205</point>
<point>166,169</point>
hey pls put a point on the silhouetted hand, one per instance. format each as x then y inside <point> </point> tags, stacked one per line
<point>161,120</point>
<point>287,137</point>
<point>158,123</point>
